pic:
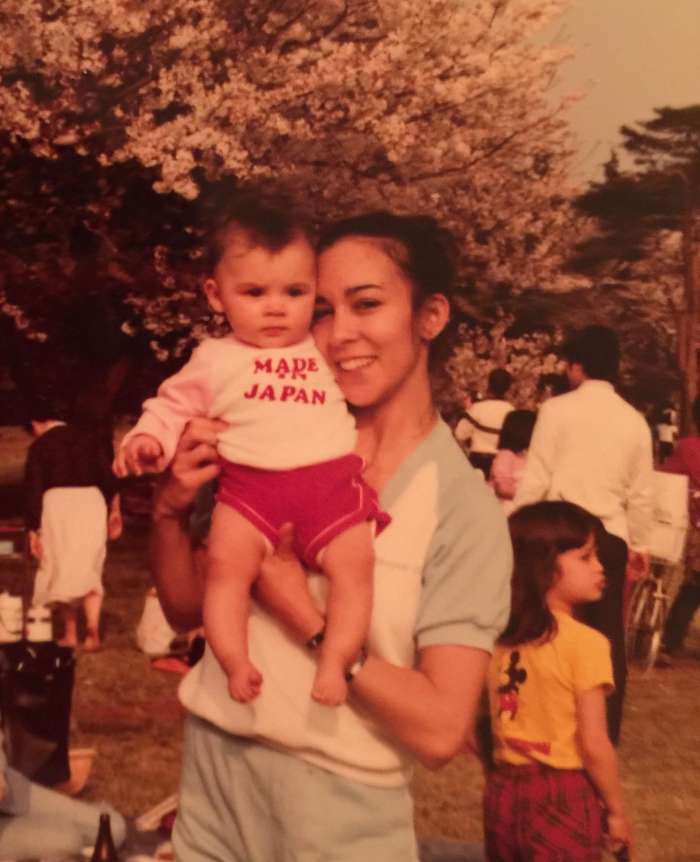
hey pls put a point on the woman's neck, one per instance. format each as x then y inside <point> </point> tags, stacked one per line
<point>389,432</point>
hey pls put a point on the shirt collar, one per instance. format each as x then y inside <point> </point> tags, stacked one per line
<point>596,384</point>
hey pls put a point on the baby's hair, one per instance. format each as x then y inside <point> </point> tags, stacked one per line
<point>539,533</point>
<point>517,430</point>
<point>266,220</point>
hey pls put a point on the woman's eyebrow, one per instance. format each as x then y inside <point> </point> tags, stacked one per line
<point>350,291</point>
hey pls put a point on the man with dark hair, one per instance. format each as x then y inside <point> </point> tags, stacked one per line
<point>592,448</point>
<point>482,422</point>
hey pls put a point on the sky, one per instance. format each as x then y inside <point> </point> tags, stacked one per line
<point>631,56</point>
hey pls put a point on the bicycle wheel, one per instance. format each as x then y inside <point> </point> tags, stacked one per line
<point>656,630</point>
<point>636,637</point>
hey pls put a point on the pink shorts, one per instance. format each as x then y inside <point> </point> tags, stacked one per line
<point>321,500</point>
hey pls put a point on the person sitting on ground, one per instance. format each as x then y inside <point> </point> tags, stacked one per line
<point>483,420</point>
<point>287,448</point>
<point>36,822</point>
<point>509,463</point>
<point>71,509</point>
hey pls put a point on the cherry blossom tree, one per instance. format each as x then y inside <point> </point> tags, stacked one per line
<point>440,106</point>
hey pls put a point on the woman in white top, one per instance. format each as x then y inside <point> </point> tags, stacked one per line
<point>283,777</point>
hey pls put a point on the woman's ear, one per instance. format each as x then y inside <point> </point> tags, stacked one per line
<point>213,294</point>
<point>433,316</point>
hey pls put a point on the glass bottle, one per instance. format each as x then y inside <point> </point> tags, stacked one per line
<point>105,850</point>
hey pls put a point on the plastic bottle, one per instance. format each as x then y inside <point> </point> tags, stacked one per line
<point>104,851</point>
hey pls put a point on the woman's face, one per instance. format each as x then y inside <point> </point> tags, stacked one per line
<point>365,324</point>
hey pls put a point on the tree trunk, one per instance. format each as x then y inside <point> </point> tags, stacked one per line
<point>688,324</point>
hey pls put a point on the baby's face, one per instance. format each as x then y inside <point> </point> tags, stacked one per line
<point>267,296</point>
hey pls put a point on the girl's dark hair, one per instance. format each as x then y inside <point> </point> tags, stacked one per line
<point>517,430</point>
<point>424,251</point>
<point>540,532</point>
<point>266,220</point>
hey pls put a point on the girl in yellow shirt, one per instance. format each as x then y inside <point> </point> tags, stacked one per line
<point>556,774</point>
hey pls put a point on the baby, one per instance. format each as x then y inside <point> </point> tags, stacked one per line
<point>287,454</point>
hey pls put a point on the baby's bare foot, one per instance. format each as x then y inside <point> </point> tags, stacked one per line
<point>245,682</point>
<point>329,687</point>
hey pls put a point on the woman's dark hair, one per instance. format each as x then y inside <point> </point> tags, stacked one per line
<point>517,430</point>
<point>596,349</point>
<point>539,533</point>
<point>268,221</point>
<point>424,251</point>
<point>500,382</point>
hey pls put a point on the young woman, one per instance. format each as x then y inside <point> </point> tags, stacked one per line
<point>284,777</point>
<point>548,679</point>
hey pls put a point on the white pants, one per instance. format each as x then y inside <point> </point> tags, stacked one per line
<point>242,801</point>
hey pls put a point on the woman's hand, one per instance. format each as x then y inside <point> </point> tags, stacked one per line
<point>195,463</point>
<point>281,587</point>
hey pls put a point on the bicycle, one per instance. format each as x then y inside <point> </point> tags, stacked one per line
<point>648,611</point>
<point>649,603</point>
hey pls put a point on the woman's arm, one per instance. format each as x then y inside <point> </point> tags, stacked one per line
<point>429,709</point>
<point>600,761</point>
<point>177,567</point>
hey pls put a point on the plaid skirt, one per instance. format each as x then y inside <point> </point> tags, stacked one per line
<point>535,813</point>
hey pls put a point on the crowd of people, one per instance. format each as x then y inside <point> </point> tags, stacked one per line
<point>359,581</point>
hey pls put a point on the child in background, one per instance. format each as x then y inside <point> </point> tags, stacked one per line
<point>509,463</point>
<point>548,679</point>
<point>287,448</point>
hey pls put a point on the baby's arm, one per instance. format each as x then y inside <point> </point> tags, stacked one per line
<point>600,761</point>
<point>348,563</point>
<point>141,453</point>
<point>180,399</point>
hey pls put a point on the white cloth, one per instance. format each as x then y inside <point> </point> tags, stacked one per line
<point>592,448</point>
<point>74,544</point>
<point>282,404</point>
<point>490,413</point>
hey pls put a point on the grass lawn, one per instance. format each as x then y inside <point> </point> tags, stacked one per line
<point>130,713</point>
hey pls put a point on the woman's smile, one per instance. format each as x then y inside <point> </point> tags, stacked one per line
<point>355,363</point>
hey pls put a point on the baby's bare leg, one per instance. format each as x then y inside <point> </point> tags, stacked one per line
<point>235,551</point>
<point>348,563</point>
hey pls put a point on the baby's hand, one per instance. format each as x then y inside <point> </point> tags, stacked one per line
<point>141,454</point>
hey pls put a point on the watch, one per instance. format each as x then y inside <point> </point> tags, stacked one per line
<point>357,665</point>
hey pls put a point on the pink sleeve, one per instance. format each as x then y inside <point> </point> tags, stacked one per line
<point>179,399</point>
<point>685,459</point>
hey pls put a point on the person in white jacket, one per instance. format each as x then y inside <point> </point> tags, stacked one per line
<point>592,448</point>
